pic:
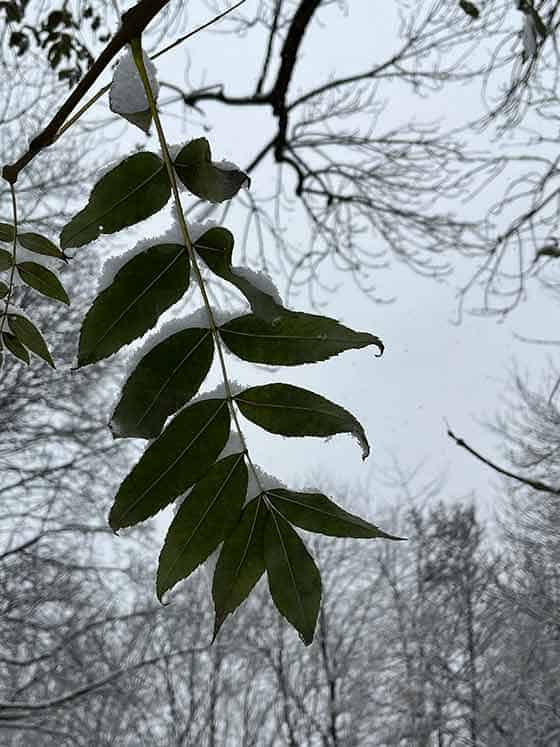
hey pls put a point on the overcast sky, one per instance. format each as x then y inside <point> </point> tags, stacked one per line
<point>433,369</point>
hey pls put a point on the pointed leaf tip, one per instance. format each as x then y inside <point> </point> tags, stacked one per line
<point>291,411</point>
<point>293,578</point>
<point>206,517</point>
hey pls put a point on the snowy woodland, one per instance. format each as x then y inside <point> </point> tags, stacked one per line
<point>234,238</point>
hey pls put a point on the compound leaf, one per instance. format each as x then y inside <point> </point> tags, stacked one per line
<point>142,290</point>
<point>165,379</point>
<point>293,578</point>
<point>135,189</point>
<point>291,411</point>
<point>183,453</point>
<point>206,517</point>
<point>293,339</point>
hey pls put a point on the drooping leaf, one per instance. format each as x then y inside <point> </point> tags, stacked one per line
<point>316,513</point>
<point>142,290</point>
<point>15,347</point>
<point>42,280</point>
<point>210,181</point>
<point>7,233</point>
<point>291,411</point>
<point>28,334</point>
<point>216,247</point>
<point>241,562</point>
<point>135,189</point>
<point>205,518</point>
<point>293,339</point>
<point>165,379</point>
<point>183,453</point>
<point>38,244</point>
<point>469,8</point>
<point>4,290</point>
<point>293,578</point>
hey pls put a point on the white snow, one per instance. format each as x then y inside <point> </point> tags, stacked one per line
<point>261,280</point>
<point>172,235</point>
<point>127,94</point>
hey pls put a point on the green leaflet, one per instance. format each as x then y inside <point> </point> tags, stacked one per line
<point>292,339</point>
<point>241,562</point>
<point>142,290</point>
<point>38,244</point>
<point>206,517</point>
<point>135,189</point>
<point>216,247</point>
<point>293,578</point>
<point>183,453</point>
<point>7,233</point>
<point>165,379</point>
<point>15,347</point>
<point>206,179</point>
<point>316,513</point>
<point>4,290</point>
<point>469,8</point>
<point>42,280</point>
<point>291,411</point>
<point>6,260</point>
<point>28,334</point>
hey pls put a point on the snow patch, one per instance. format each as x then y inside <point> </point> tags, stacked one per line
<point>172,235</point>
<point>127,95</point>
<point>260,280</point>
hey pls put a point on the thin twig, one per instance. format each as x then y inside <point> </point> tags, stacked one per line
<point>535,484</point>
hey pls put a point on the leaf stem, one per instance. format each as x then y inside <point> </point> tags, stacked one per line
<point>136,45</point>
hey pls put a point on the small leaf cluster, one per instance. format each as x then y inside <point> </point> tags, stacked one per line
<point>18,335</point>
<point>59,35</point>
<point>193,450</point>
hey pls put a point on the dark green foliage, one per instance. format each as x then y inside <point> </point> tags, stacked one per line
<point>7,233</point>
<point>469,8</point>
<point>29,336</point>
<point>294,338</point>
<point>205,179</point>
<point>293,577</point>
<point>15,347</point>
<point>241,562</point>
<point>4,290</point>
<point>207,516</point>
<point>42,280</point>
<point>135,189</point>
<point>6,260</point>
<point>291,411</point>
<point>316,513</point>
<point>38,244</point>
<point>183,453</point>
<point>142,290</point>
<point>164,380</point>
<point>216,248</point>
